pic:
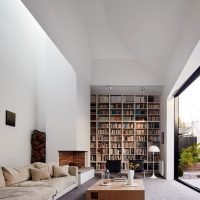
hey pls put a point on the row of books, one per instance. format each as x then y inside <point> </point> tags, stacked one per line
<point>102,131</point>
<point>128,138</point>
<point>128,112</point>
<point>140,99</point>
<point>125,98</point>
<point>115,145</point>
<point>103,98</point>
<point>115,138</point>
<point>93,157</point>
<point>141,142</point>
<point>103,151</point>
<point>115,105</point>
<point>116,131</point>
<point>153,112</point>
<point>128,132</point>
<point>103,145</point>
<point>140,138</point>
<point>128,145</point>
<point>128,151</point>
<point>93,151</point>
<point>93,99</point>
<point>154,106</point>
<point>103,106</point>
<point>141,125</point>
<point>103,118</point>
<point>93,137</point>
<point>115,112</point>
<point>154,125</point>
<point>102,157</point>
<point>128,125</point>
<point>93,144</point>
<point>103,138</point>
<point>116,157</point>
<point>103,112</point>
<point>115,99</point>
<point>154,118</point>
<point>115,118</point>
<point>115,151</point>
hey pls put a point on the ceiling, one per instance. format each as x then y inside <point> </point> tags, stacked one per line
<point>142,30</point>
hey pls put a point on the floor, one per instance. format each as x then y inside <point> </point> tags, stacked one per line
<point>191,178</point>
<point>159,189</point>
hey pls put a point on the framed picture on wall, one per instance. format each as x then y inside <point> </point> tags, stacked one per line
<point>10,118</point>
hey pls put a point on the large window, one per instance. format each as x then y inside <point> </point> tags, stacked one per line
<point>187,132</point>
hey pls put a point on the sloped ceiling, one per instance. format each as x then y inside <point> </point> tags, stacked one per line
<point>144,31</point>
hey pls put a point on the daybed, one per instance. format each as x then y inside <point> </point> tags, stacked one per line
<point>38,181</point>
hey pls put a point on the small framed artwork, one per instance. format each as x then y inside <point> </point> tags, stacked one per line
<point>10,118</point>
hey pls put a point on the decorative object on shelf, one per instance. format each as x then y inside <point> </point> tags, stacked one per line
<point>10,118</point>
<point>153,149</point>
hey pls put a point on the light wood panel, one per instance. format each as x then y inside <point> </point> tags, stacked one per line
<point>116,191</point>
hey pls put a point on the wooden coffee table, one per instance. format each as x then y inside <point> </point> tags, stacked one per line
<point>116,191</point>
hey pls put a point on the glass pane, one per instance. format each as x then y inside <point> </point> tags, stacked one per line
<point>189,134</point>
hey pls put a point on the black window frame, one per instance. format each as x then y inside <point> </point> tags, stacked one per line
<point>185,85</point>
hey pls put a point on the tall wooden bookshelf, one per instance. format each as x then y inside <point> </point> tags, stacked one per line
<point>123,127</point>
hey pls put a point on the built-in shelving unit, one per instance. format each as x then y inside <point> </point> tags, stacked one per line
<point>123,127</point>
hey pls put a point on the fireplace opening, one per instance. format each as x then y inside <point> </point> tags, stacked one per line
<point>73,158</point>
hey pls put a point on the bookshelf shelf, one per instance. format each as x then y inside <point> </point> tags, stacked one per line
<point>123,127</point>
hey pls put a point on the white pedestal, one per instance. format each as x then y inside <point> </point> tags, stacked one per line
<point>85,174</point>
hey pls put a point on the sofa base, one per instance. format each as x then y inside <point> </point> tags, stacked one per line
<point>60,194</point>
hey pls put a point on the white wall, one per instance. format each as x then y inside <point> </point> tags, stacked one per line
<point>37,83</point>
<point>122,72</point>
<point>57,100</point>
<point>63,22</point>
<point>17,82</point>
<point>187,42</point>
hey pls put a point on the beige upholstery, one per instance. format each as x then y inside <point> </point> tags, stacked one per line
<point>40,165</point>
<point>59,184</point>
<point>50,189</point>
<point>2,180</point>
<point>13,176</point>
<point>26,193</point>
<point>60,171</point>
<point>40,174</point>
<point>73,171</point>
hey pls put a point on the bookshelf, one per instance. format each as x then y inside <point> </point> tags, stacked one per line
<point>123,127</point>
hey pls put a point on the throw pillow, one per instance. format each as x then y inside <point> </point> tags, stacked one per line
<point>60,171</point>
<point>40,165</point>
<point>2,180</point>
<point>40,174</point>
<point>13,176</point>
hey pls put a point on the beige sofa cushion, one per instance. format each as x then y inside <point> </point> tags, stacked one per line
<point>59,184</point>
<point>40,165</point>
<point>40,174</point>
<point>60,171</point>
<point>13,176</point>
<point>27,193</point>
<point>2,180</point>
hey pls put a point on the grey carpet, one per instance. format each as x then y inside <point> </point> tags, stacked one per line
<point>159,189</point>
